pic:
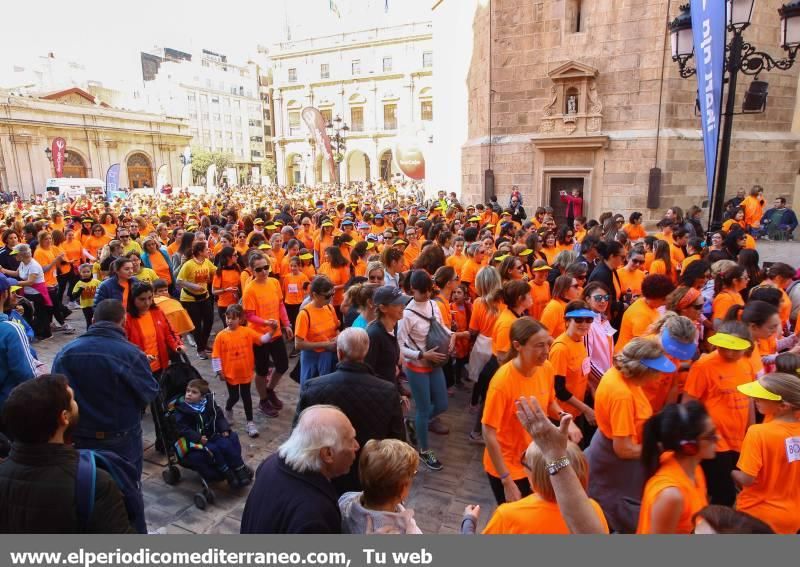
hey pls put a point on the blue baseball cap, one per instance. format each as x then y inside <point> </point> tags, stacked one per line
<point>675,348</point>
<point>578,313</point>
<point>661,364</point>
<point>7,283</point>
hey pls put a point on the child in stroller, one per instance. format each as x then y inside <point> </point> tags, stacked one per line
<point>206,442</point>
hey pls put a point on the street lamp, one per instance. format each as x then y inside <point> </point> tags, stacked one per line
<point>337,131</point>
<point>740,57</point>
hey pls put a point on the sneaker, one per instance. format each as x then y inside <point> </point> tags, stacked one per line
<point>429,460</point>
<point>273,399</point>
<point>232,479</point>
<point>266,408</point>
<point>68,329</point>
<point>202,355</point>
<point>72,305</point>
<point>476,437</point>
<point>244,475</point>
<point>438,427</point>
<point>229,416</point>
<point>411,431</point>
<point>252,430</point>
<point>190,341</point>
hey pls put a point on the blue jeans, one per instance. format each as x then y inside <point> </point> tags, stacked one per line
<point>128,446</point>
<point>313,364</point>
<point>225,453</point>
<point>430,399</point>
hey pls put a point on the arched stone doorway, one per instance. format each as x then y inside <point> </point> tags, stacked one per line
<point>387,167</point>
<point>294,169</point>
<point>140,171</point>
<point>357,166</point>
<point>74,165</point>
<point>323,173</point>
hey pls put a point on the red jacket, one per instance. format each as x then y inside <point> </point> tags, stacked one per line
<point>577,205</point>
<point>168,341</point>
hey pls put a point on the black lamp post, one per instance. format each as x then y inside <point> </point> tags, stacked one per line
<point>337,131</point>
<point>740,57</point>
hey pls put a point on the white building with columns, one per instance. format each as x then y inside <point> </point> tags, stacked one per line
<point>379,81</point>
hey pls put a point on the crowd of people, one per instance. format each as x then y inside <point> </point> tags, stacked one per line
<point>619,380</point>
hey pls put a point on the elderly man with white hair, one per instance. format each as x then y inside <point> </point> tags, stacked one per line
<point>371,404</point>
<point>292,493</point>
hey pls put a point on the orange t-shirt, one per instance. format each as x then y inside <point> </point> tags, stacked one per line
<point>771,454</point>
<point>150,347</point>
<point>688,261</point>
<point>235,351</point>
<point>317,324</point>
<point>671,475</point>
<point>469,272</point>
<point>160,266</point>
<point>507,386</point>
<point>264,299</point>
<point>460,315</point>
<point>223,279</point>
<point>456,261</point>
<point>45,257</point>
<point>501,338</point>
<point>635,321</point>
<point>634,231</point>
<point>723,302</point>
<point>659,267</point>
<point>629,280</point>
<point>540,294</point>
<point>339,276</point>
<point>360,268</point>
<point>310,271</point>
<point>648,260</point>
<point>570,359</point>
<point>93,244</point>
<point>533,515</point>
<point>73,251</point>
<point>482,320</point>
<point>553,317</point>
<point>293,288</point>
<point>126,288</point>
<point>753,210</point>
<point>620,407</point>
<point>713,381</point>
<point>550,254</point>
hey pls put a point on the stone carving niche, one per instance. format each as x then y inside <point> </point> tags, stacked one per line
<point>573,107</point>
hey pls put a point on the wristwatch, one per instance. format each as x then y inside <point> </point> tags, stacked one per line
<point>557,465</point>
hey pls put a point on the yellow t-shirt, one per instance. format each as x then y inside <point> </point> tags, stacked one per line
<point>197,273</point>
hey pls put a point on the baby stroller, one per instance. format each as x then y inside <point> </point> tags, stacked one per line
<point>172,385</point>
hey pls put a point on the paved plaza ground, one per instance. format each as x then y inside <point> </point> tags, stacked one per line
<point>438,498</point>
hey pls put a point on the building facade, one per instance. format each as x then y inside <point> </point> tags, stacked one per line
<point>222,101</point>
<point>552,95</point>
<point>378,81</point>
<point>147,146</point>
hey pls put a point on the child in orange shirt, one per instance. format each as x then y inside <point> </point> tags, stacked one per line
<point>461,312</point>
<point>233,361</point>
<point>295,284</point>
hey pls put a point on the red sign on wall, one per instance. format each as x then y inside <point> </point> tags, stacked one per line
<point>59,150</point>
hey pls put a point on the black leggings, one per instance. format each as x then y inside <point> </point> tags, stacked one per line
<point>42,316</point>
<point>202,315</point>
<point>59,311</point>
<point>482,387</point>
<point>65,283</point>
<point>88,313</point>
<point>292,311</point>
<point>721,489</point>
<point>500,493</point>
<point>234,391</point>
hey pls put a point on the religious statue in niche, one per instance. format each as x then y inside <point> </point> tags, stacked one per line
<point>572,104</point>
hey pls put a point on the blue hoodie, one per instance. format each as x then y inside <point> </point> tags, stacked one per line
<point>16,362</point>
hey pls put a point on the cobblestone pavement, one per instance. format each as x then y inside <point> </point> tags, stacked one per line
<point>438,498</point>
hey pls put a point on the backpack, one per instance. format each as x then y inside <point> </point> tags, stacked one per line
<point>125,477</point>
<point>438,338</point>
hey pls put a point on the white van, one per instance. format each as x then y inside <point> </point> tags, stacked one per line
<point>74,187</point>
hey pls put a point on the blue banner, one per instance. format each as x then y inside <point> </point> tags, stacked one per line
<point>709,35</point>
<point>112,179</point>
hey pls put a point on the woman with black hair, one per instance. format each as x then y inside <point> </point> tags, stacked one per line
<point>750,261</point>
<point>183,252</point>
<point>764,322</point>
<point>612,256</point>
<point>147,327</point>
<point>225,286</point>
<point>674,443</point>
<point>337,269</point>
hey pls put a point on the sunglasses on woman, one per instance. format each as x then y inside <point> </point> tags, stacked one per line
<point>582,319</point>
<point>600,298</point>
<point>260,269</point>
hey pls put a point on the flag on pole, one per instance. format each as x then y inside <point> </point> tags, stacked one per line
<point>335,9</point>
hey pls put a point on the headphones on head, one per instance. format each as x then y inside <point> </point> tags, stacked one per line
<point>687,447</point>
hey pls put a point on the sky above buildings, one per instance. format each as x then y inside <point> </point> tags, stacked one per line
<point>107,36</point>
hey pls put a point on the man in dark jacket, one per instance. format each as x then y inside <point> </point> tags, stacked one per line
<point>113,384</point>
<point>372,405</point>
<point>612,256</point>
<point>38,480</point>
<point>292,492</point>
<point>780,221</point>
